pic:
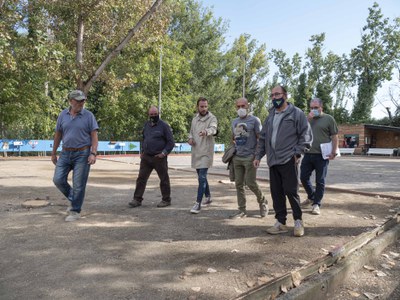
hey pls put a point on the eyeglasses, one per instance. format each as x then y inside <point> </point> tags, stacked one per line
<point>315,107</point>
<point>275,95</point>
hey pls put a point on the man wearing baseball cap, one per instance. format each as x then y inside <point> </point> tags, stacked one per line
<point>77,129</point>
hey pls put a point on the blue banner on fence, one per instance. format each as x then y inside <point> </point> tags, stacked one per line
<point>185,147</point>
<point>47,146</point>
<point>104,146</point>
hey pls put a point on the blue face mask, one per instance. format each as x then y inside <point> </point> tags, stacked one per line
<point>315,112</point>
<point>277,103</point>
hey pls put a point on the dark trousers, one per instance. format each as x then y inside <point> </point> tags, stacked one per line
<point>147,164</point>
<point>284,183</point>
<point>310,163</point>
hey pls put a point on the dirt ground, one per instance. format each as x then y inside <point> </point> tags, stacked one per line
<point>117,252</point>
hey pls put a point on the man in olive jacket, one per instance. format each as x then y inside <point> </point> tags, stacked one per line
<point>201,138</point>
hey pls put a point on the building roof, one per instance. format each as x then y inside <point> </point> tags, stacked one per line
<point>382,127</point>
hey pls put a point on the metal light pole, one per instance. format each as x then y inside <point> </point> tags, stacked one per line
<point>244,75</point>
<point>160,88</point>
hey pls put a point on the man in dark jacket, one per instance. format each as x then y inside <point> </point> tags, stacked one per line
<point>285,136</point>
<point>158,142</point>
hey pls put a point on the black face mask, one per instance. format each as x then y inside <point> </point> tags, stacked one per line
<point>154,119</point>
<point>277,103</point>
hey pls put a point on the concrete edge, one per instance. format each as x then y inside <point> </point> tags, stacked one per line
<point>321,286</point>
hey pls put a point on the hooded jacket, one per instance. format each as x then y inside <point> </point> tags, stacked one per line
<point>203,149</point>
<point>293,138</point>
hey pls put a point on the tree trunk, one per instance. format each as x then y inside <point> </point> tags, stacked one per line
<point>79,52</point>
<point>88,84</point>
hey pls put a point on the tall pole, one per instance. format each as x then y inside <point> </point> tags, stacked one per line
<point>244,75</point>
<point>160,88</point>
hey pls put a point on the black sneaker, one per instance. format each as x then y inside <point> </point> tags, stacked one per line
<point>238,215</point>
<point>163,204</point>
<point>134,203</point>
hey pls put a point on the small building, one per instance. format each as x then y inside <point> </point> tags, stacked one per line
<point>365,136</point>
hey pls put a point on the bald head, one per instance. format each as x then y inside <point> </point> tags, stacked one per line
<point>153,111</point>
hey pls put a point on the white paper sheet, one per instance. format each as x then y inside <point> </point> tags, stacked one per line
<point>326,150</point>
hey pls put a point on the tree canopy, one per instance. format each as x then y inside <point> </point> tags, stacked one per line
<point>112,50</point>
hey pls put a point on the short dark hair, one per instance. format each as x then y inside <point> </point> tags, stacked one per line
<point>282,87</point>
<point>201,99</point>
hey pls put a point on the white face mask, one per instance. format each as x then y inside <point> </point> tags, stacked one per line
<point>242,112</point>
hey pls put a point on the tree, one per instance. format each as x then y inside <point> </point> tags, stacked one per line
<point>288,69</point>
<point>102,29</point>
<point>202,37</point>
<point>248,66</point>
<point>302,94</point>
<point>373,60</point>
<point>54,46</point>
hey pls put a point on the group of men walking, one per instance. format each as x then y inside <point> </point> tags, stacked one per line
<point>287,137</point>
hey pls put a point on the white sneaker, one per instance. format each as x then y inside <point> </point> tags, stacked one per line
<point>277,228</point>
<point>196,208</point>
<point>73,216</point>
<point>208,201</point>
<point>307,202</point>
<point>263,209</point>
<point>315,209</point>
<point>298,228</point>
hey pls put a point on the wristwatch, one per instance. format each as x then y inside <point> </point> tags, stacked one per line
<point>93,153</point>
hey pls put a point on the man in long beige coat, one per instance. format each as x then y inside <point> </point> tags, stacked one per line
<point>201,138</point>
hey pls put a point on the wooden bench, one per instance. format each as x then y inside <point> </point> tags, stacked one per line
<point>380,151</point>
<point>347,150</point>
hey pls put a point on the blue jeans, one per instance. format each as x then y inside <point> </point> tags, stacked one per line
<point>204,188</point>
<point>310,163</point>
<point>77,162</point>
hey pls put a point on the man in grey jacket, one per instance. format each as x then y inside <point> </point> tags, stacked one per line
<point>201,138</point>
<point>285,136</point>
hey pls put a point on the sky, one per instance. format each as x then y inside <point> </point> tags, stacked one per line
<point>289,24</point>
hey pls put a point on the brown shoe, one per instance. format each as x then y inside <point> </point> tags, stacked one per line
<point>163,204</point>
<point>134,203</point>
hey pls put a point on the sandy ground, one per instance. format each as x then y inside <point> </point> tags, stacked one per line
<point>116,252</point>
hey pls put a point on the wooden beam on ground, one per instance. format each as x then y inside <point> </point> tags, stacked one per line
<point>290,280</point>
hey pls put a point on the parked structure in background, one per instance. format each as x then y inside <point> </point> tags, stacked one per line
<point>363,137</point>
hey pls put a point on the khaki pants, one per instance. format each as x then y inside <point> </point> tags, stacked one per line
<point>245,174</point>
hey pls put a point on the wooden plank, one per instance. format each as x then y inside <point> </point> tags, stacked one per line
<point>273,288</point>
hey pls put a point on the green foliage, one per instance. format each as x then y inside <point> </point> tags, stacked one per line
<point>288,69</point>
<point>302,95</point>
<point>373,60</point>
<point>42,60</point>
